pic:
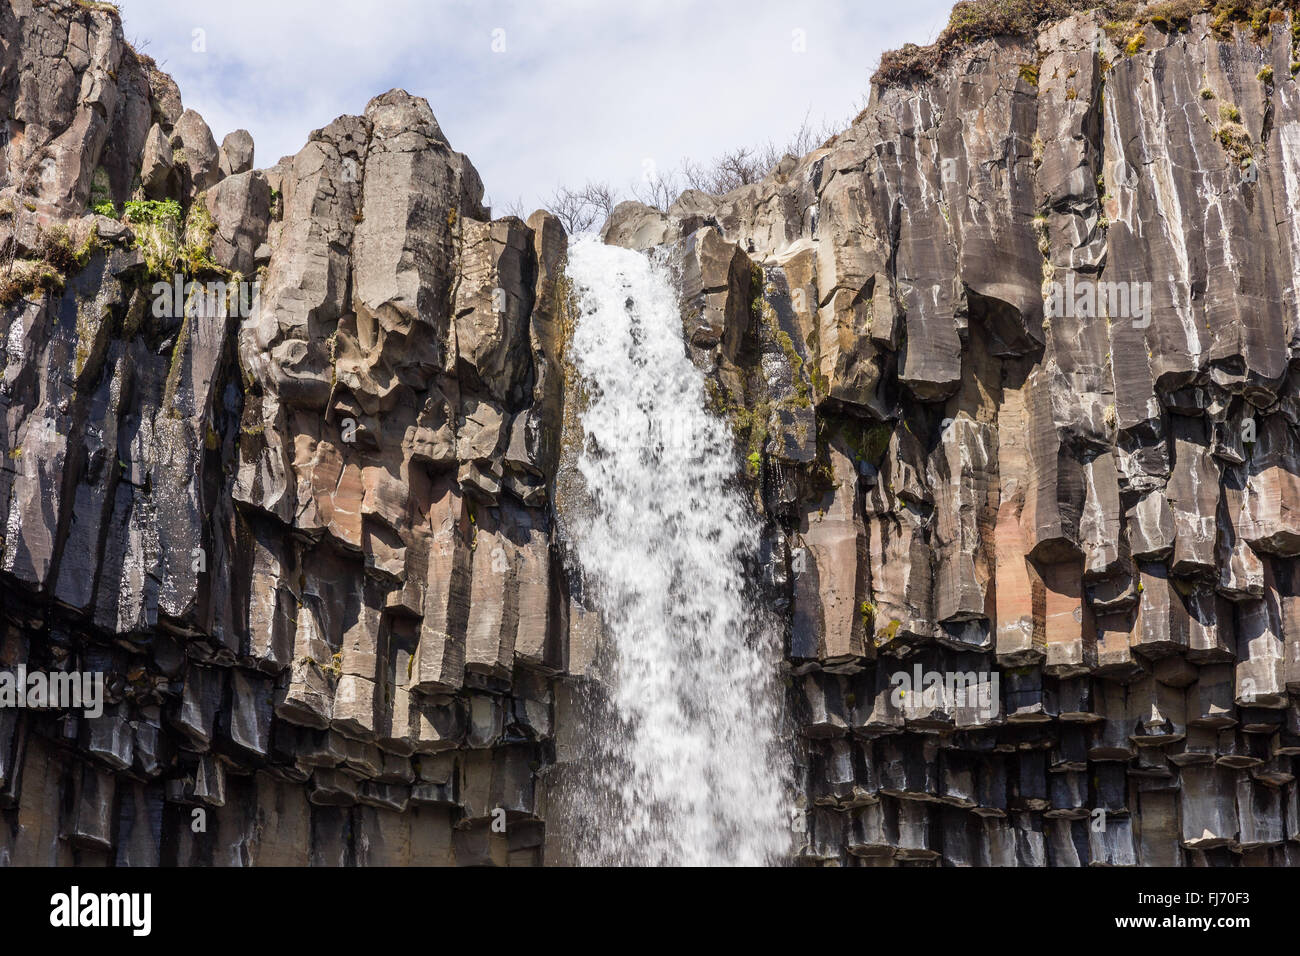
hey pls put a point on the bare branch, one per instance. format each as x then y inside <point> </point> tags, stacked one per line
<point>745,165</point>
<point>579,210</point>
<point>515,207</point>
<point>657,189</point>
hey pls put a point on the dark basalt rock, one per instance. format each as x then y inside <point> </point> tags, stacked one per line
<point>312,544</point>
<point>1094,503</point>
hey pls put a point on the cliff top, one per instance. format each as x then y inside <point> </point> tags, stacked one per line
<point>975,20</point>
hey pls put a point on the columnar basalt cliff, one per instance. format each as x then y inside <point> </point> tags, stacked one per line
<point>1009,365</point>
<point>1015,382</point>
<point>307,540</point>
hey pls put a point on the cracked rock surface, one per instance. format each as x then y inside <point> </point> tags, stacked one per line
<point>305,536</point>
<point>1019,392</point>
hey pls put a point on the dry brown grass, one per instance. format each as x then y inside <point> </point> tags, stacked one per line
<point>26,277</point>
<point>975,20</point>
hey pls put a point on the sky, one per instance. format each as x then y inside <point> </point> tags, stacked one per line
<point>539,93</point>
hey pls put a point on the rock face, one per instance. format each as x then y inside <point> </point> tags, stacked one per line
<point>1012,368</point>
<point>301,525</point>
<point>1018,391</point>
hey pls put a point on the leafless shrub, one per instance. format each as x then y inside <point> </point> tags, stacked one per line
<point>657,189</point>
<point>737,167</point>
<point>745,165</point>
<point>511,207</point>
<point>581,209</point>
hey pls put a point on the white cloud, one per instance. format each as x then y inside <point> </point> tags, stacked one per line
<point>582,90</point>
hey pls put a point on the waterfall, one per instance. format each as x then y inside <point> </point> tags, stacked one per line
<point>681,761</point>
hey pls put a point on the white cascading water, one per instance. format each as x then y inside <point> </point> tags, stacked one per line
<point>684,764</point>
